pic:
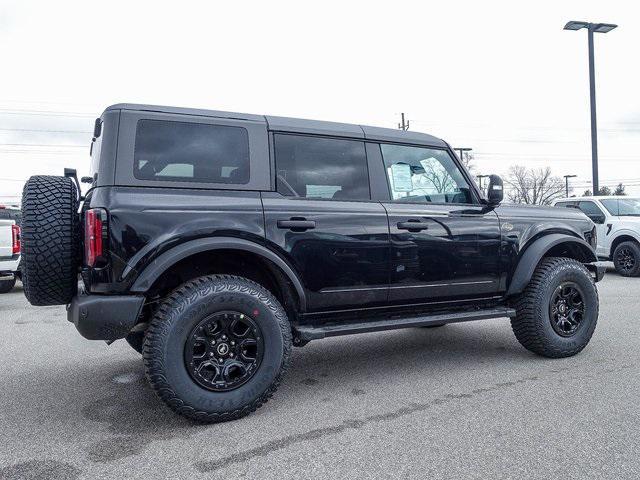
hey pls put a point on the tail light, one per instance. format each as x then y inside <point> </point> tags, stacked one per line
<point>15,239</point>
<point>95,231</point>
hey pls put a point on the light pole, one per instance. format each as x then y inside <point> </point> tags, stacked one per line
<point>566,183</point>
<point>591,28</point>
<point>480,177</point>
<point>460,150</point>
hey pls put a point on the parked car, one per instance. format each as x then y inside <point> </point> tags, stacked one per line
<point>617,220</point>
<point>213,242</point>
<point>9,248</point>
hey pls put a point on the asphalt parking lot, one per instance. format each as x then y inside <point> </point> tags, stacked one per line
<point>462,401</point>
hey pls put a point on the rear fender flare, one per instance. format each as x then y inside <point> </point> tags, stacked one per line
<point>153,271</point>
<point>537,250</point>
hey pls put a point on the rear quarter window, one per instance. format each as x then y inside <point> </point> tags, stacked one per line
<point>191,152</point>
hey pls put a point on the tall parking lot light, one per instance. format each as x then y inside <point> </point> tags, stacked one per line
<point>591,28</point>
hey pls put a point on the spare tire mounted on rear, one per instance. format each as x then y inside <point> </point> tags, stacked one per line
<point>50,240</point>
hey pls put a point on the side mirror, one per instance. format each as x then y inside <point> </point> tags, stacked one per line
<point>495,192</point>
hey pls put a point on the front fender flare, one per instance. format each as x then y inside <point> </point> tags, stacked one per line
<point>537,250</point>
<point>153,271</point>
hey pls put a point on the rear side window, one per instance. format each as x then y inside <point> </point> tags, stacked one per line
<point>321,168</point>
<point>191,152</point>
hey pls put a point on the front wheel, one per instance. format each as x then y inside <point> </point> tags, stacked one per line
<point>217,348</point>
<point>626,259</point>
<point>557,313</point>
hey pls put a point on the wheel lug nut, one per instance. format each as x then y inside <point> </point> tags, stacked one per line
<point>231,354</point>
<point>211,354</point>
<point>232,342</point>
<point>220,360</point>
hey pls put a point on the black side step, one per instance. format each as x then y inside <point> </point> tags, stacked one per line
<point>306,333</point>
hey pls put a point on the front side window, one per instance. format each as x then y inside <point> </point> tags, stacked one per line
<point>424,175</point>
<point>321,168</point>
<point>624,207</point>
<point>191,152</point>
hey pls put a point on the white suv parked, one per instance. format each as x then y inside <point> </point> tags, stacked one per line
<point>617,222</point>
<point>9,247</point>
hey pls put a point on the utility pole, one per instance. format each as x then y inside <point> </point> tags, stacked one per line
<point>404,125</point>
<point>460,151</point>
<point>591,28</point>
<point>566,183</point>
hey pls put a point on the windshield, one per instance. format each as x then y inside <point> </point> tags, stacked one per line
<point>622,207</point>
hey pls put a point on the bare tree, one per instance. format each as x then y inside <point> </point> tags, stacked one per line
<point>619,190</point>
<point>533,186</point>
<point>467,161</point>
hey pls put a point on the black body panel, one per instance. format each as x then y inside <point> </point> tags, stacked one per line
<point>343,260</point>
<point>455,255</point>
<point>146,222</point>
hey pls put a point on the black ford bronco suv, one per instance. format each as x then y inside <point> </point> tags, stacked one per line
<point>213,242</point>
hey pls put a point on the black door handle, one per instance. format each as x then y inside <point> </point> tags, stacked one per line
<point>297,225</point>
<point>413,225</point>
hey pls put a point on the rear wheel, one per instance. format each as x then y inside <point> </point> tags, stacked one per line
<point>50,240</point>
<point>557,313</point>
<point>6,285</point>
<point>626,259</point>
<point>217,348</point>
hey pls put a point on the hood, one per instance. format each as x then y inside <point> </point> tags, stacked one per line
<point>539,211</point>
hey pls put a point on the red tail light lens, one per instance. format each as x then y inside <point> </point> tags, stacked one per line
<point>95,221</point>
<point>15,239</point>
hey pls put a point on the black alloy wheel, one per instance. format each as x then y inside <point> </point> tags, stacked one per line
<point>625,259</point>
<point>224,351</point>
<point>566,309</point>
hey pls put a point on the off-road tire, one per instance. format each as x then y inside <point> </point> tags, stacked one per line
<point>180,312</point>
<point>634,249</point>
<point>135,341</point>
<point>6,285</point>
<point>50,240</point>
<point>532,323</point>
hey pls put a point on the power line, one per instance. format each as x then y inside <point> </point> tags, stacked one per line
<point>31,130</point>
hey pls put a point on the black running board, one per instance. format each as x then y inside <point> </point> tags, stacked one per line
<point>306,333</point>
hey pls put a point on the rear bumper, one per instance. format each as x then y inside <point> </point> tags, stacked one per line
<point>9,265</point>
<point>104,317</point>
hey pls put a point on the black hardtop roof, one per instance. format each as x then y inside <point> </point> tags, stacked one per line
<point>298,125</point>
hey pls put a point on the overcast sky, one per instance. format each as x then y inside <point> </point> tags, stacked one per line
<point>500,77</point>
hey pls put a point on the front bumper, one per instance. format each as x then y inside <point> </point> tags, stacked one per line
<point>598,270</point>
<point>104,317</point>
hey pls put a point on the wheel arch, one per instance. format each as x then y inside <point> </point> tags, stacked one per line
<point>623,237</point>
<point>191,249</point>
<point>552,245</point>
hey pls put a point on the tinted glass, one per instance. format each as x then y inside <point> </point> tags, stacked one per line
<point>314,167</point>
<point>611,205</point>
<point>191,152</point>
<point>624,207</point>
<point>590,208</point>
<point>566,204</point>
<point>424,175</point>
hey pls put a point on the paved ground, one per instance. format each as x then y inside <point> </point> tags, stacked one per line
<point>463,401</point>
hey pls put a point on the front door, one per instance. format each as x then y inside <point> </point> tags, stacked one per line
<point>322,220</point>
<point>445,245</point>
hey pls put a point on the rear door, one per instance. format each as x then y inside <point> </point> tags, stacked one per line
<point>445,245</point>
<point>322,220</point>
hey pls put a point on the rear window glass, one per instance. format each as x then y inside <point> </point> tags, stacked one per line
<point>191,152</point>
